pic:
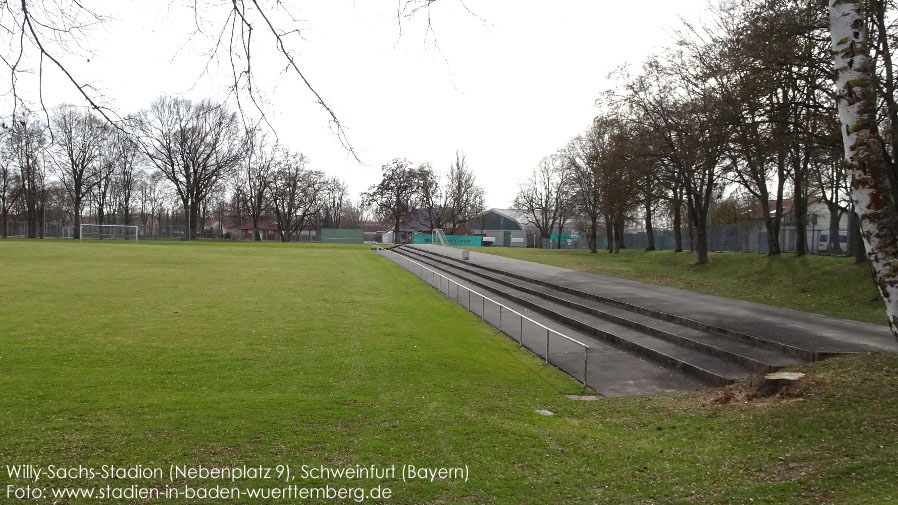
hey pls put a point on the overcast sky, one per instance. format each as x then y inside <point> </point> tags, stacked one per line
<point>509,82</point>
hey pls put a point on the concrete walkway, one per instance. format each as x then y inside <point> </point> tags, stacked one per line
<point>818,334</point>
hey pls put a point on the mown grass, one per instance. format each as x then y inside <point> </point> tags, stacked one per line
<point>231,354</point>
<point>828,285</point>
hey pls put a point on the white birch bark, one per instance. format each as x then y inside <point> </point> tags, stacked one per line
<point>870,189</point>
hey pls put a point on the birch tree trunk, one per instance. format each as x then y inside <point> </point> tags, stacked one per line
<point>871,189</point>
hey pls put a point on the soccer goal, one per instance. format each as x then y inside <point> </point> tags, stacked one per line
<point>438,237</point>
<point>108,232</point>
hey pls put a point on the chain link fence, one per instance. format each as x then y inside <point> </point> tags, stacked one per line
<point>736,237</point>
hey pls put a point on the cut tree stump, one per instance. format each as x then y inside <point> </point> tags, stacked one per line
<point>774,383</point>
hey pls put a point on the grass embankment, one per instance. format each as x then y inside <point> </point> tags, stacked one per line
<point>834,286</point>
<point>265,354</point>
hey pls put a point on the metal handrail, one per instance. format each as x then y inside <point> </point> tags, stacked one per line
<point>501,306</point>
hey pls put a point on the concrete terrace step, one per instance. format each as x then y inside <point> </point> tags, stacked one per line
<point>755,357</point>
<point>613,371</point>
<point>706,366</point>
<point>808,336</point>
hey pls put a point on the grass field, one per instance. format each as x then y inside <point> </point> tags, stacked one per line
<point>266,354</point>
<point>828,285</point>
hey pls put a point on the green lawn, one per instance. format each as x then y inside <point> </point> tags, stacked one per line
<point>833,286</point>
<point>264,354</point>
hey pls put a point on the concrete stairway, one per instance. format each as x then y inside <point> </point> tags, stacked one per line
<point>714,355</point>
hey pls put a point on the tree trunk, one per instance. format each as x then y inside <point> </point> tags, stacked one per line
<point>772,239</point>
<point>698,230</point>
<point>619,224</point>
<point>396,231</point>
<point>42,215</point>
<point>691,227</point>
<point>855,241</point>
<point>701,242</point>
<point>195,225</point>
<point>609,233</point>
<point>834,247</point>
<point>186,221</point>
<point>649,230</point>
<point>616,238</point>
<point>800,214</point>
<point>560,228</point>
<point>76,231</point>
<point>256,236</point>
<point>594,234</point>
<point>871,189</point>
<point>777,218</point>
<point>678,226</point>
<point>618,233</point>
<point>30,214</point>
<point>32,222</point>
<point>4,226</point>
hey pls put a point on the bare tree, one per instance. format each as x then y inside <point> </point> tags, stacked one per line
<point>334,197</point>
<point>781,100</point>
<point>154,193</point>
<point>104,180</point>
<point>125,157</point>
<point>27,144</point>
<point>684,101</point>
<point>651,173</point>
<point>354,215</point>
<point>434,199</point>
<point>79,143</point>
<point>583,154</point>
<point>831,183</point>
<point>464,197</point>
<point>539,195</point>
<point>295,194</point>
<point>42,34</point>
<point>10,186</point>
<point>564,202</point>
<point>256,173</point>
<point>195,145</point>
<point>397,193</point>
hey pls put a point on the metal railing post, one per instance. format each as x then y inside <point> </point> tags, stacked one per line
<point>500,318</point>
<point>585,365</point>
<point>482,306</point>
<point>547,345</point>
<point>521,336</point>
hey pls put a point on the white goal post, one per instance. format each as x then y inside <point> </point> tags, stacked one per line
<point>438,237</point>
<point>108,232</point>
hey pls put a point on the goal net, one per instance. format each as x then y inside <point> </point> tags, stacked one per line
<point>438,237</point>
<point>118,232</point>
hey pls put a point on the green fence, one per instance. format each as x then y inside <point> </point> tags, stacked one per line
<point>332,236</point>
<point>457,240</point>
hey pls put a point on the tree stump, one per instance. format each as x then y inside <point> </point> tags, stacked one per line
<point>777,382</point>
